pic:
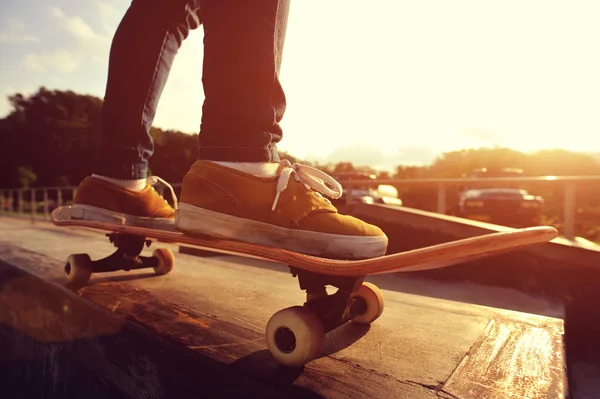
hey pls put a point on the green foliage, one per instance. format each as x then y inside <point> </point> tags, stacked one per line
<point>26,176</point>
<point>174,154</point>
<point>55,133</point>
<point>555,162</point>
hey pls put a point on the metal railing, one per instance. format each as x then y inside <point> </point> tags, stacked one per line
<point>569,185</point>
<point>37,203</point>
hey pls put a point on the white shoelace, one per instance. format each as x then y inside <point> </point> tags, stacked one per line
<point>152,180</point>
<point>311,178</point>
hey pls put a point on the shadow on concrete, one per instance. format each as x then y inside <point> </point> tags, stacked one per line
<point>467,283</point>
<point>124,277</point>
<point>252,262</point>
<point>471,293</point>
<point>56,343</point>
<point>263,365</point>
<point>343,337</point>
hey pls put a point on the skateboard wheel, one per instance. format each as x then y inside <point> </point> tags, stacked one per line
<point>166,260</point>
<point>373,300</point>
<point>295,336</point>
<point>78,269</point>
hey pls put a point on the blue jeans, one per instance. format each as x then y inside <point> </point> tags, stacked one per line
<point>244,100</point>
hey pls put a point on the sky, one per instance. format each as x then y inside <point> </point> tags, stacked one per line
<point>399,82</point>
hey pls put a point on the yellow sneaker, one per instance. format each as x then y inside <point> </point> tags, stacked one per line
<point>103,201</point>
<point>287,211</point>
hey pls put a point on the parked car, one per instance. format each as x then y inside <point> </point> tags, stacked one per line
<point>512,207</point>
<point>368,193</point>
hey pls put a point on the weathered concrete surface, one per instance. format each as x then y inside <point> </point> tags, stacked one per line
<point>433,340</point>
<point>56,345</point>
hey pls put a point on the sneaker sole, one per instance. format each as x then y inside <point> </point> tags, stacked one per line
<point>192,220</point>
<point>88,212</point>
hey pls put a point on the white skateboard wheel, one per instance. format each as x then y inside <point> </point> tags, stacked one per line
<point>373,299</point>
<point>78,269</point>
<point>166,260</point>
<point>295,336</point>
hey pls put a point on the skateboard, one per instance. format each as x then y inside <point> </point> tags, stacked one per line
<point>295,335</point>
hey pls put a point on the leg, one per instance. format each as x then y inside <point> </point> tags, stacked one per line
<point>245,102</point>
<point>142,53</point>
<point>237,189</point>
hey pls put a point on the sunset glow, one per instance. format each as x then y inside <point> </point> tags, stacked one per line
<point>397,82</point>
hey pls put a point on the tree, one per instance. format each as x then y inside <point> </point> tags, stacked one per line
<point>54,132</point>
<point>344,167</point>
<point>26,176</point>
<point>456,163</point>
<point>410,172</point>
<point>384,175</point>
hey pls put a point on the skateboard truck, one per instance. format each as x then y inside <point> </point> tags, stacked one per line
<point>296,335</point>
<point>79,267</point>
<point>332,309</point>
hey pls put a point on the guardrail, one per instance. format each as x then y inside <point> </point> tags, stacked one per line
<point>569,185</point>
<point>37,203</point>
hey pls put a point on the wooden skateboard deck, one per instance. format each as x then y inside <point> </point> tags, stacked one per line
<point>295,335</point>
<point>433,257</point>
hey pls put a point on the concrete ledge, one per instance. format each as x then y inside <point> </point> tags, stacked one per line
<point>558,268</point>
<point>128,341</point>
<point>56,345</point>
<point>444,227</point>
